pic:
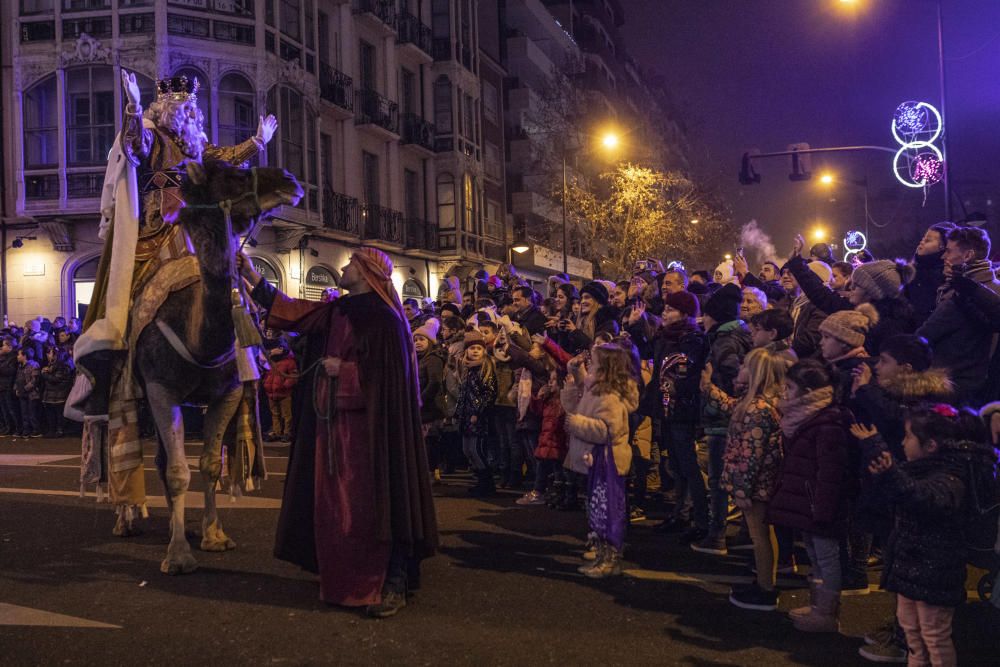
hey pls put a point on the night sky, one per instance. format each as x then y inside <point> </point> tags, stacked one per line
<point>767,73</point>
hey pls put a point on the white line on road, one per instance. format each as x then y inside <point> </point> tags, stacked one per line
<point>195,499</point>
<point>11,614</point>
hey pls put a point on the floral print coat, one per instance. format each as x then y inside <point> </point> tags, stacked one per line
<point>753,454</point>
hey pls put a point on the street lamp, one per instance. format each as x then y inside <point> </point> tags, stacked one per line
<point>520,247</point>
<point>610,141</point>
<point>826,179</point>
<point>818,234</point>
<point>695,221</point>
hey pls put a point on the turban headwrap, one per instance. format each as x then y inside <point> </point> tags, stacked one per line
<point>376,269</point>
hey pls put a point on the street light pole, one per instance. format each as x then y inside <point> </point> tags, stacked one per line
<point>944,116</point>
<point>565,243</point>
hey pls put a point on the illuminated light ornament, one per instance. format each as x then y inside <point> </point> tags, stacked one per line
<point>854,243</point>
<point>915,127</point>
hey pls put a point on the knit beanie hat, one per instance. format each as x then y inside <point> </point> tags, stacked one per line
<point>474,338</point>
<point>608,285</point>
<point>451,309</point>
<point>882,279</point>
<point>683,301</point>
<point>598,291</point>
<point>724,305</point>
<point>727,271</point>
<point>821,269</point>
<point>495,282</point>
<point>429,330</point>
<point>850,326</point>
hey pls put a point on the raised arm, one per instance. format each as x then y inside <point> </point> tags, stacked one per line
<point>136,141</point>
<point>240,153</point>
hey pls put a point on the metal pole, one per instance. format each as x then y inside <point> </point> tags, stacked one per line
<point>565,233</point>
<point>944,115</point>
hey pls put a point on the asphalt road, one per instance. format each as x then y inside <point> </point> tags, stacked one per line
<point>503,591</point>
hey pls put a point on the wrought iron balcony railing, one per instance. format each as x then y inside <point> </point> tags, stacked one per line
<point>372,108</point>
<point>421,234</point>
<point>410,30</point>
<point>384,10</point>
<point>341,213</point>
<point>417,131</point>
<point>336,87</point>
<point>381,224</point>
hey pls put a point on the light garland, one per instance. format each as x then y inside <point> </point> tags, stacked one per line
<point>915,127</point>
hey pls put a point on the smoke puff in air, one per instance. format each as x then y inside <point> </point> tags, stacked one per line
<point>757,242</point>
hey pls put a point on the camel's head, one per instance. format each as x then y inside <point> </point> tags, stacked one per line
<point>213,182</point>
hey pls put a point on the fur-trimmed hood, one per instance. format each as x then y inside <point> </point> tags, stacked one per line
<point>914,386</point>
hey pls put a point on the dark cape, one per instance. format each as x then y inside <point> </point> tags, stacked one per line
<point>403,500</point>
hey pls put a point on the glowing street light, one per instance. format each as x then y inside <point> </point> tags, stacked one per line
<point>729,256</point>
<point>610,141</point>
<point>826,179</point>
<point>818,234</point>
<point>695,221</point>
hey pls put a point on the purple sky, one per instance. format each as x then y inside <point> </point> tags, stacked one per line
<point>767,73</point>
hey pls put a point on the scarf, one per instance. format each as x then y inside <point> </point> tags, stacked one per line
<point>980,271</point>
<point>797,411</point>
<point>797,305</point>
<point>855,353</point>
<point>523,394</point>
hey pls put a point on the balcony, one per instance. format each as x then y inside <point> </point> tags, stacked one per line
<point>441,49</point>
<point>380,13</point>
<point>336,88</point>
<point>412,33</point>
<point>378,112</point>
<point>341,213</point>
<point>381,224</point>
<point>418,133</point>
<point>421,235</point>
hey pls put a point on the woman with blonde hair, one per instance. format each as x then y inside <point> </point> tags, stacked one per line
<point>752,460</point>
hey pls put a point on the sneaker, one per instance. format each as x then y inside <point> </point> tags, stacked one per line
<point>883,634</point>
<point>530,499</point>
<point>711,544</point>
<point>887,652</point>
<point>609,565</point>
<point>754,597</point>
<point>390,605</point>
<point>854,585</point>
<point>637,515</point>
<point>36,434</point>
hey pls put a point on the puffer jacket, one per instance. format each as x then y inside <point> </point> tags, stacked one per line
<point>57,381</point>
<point>926,553</point>
<point>27,383</point>
<point>814,485</point>
<point>685,403</point>
<point>8,371</point>
<point>430,372</point>
<point>594,420</point>
<point>552,437</point>
<point>729,343</point>
<point>475,399</point>
<point>282,378</point>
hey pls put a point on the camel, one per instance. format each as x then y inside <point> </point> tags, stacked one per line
<point>199,318</point>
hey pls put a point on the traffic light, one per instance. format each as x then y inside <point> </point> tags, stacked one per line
<point>801,164</point>
<point>747,175</point>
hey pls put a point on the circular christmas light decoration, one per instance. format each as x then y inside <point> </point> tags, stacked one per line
<point>915,127</point>
<point>854,242</point>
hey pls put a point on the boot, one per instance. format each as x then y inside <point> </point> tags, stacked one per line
<point>484,486</point>
<point>610,565</point>
<point>799,612</point>
<point>554,493</point>
<point>824,617</point>
<point>600,551</point>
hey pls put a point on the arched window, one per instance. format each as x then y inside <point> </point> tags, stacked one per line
<point>266,270</point>
<point>320,278</point>
<point>84,276</point>
<point>90,114</point>
<point>204,97</point>
<point>446,201</point>
<point>40,112</point>
<point>237,112</point>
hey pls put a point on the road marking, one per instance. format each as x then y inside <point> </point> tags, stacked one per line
<point>11,614</point>
<point>32,459</point>
<point>195,499</point>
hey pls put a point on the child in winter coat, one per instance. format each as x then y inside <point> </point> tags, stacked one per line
<point>57,379</point>
<point>946,458</point>
<point>27,388</point>
<point>278,385</point>
<point>598,402</point>
<point>751,463</point>
<point>10,411</point>
<point>430,372</point>
<point>477,393</point>
<point>812,491</point>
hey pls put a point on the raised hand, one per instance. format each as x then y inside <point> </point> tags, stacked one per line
<point>862,432</point>
<point>740,266</point>
<point>638,310</point>
<point>797,246</point>
<point>131,87</point>
<point>880,464</point>
<point>266,128</point>
<point>862,376</point>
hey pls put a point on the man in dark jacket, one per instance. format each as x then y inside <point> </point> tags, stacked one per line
<point>526,310</point>
<point>10,410</point>
<point>961,344</point>
<point>730,340</point>
<point>928,261</point>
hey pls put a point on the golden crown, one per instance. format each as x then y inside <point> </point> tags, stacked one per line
<point>177,89</point>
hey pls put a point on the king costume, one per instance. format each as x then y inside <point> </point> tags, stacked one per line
<point>357,506</point>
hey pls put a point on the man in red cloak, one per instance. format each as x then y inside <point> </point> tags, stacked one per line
<point>357,504</point>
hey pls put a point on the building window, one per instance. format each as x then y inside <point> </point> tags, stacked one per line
<point>290,20</point>
<point>204,96</point>
<point>236,7</point>
<point>370,180</point>
<point>441,19</point>
<point>128,4</point>
<point>84,277</point>
<point>296,137</point>
<point>367,61</point>
<point>494,166</point>
<point>237,113</point>
<point>98,26</point>
<point>491,108</point>
<point>131,24</point>
<point>290,52</point>
<point>411,194</point>
<point>442,105</point>
<point>269,41</point>
<point>90,114</point>
<point>187,26</point>
<point>41,186</point>
<point>312,159</point>
<point>240,33</point>
<point>310,38</point>
<point>85,185</point>
<point>29,7</point>
<point>41,125</point>
<point>85,5</point>
<point>468,198</point>
<point>446,201</point>
<point>38,31</point>
<point>269,12</point>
